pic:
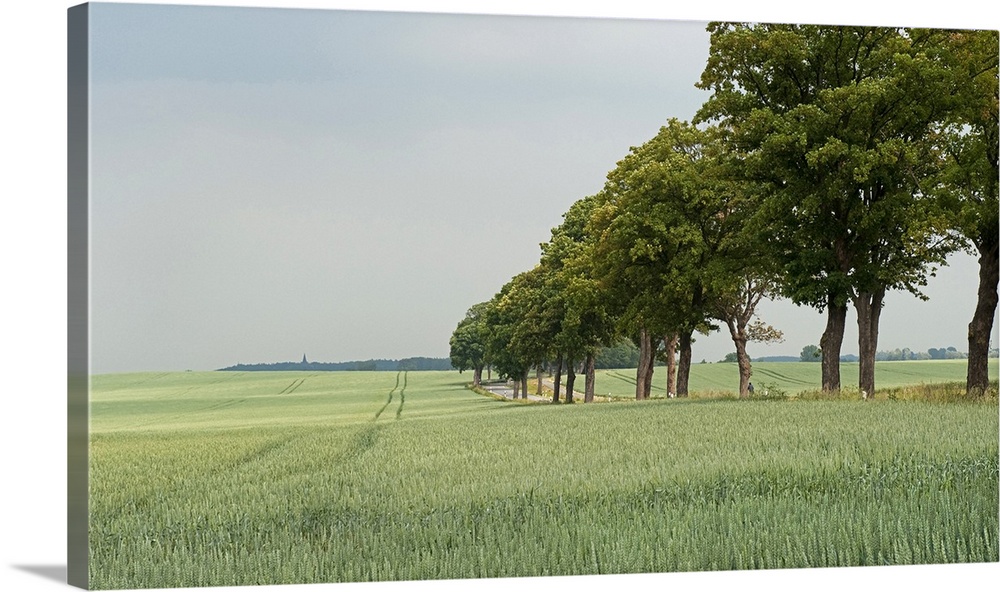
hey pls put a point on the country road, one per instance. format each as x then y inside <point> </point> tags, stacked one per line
<point>506,391</point>
<point>548,383</point>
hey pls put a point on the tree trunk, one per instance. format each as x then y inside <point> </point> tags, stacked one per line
<point>684,365</point>
<point>570,379</point>
<point>684,342</point>
<point>868,306</point>
<point>517,388</point>
<point>830,343</point>
<point>739,336</point>
<point>641,370</point>
<point>647,386</point>
<point>524,384</point>
<point>477,376</point>
<point>588,389</point>
<point>981,327</point>
<point>670,343</point>
<point>538,377</point>
<point>743,361</point>
<point>557,380</point>
<point>738,333</point>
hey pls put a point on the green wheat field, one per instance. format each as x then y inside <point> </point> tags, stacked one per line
<point>224,478</point>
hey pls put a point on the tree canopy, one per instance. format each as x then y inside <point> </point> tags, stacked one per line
<point>839,126</point>
<point>829,165</point>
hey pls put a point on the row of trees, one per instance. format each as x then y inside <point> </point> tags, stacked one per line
<point>829,166</point>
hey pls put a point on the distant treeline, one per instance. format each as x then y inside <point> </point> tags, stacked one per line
<point>944,353</point>
<point>811,353</point>
<point>626,355</point>
<point>783,359</point>
<point>366,365</point>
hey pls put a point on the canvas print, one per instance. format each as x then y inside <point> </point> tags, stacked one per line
<point>381,296</point>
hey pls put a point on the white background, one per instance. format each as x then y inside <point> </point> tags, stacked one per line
<point>33,338</point>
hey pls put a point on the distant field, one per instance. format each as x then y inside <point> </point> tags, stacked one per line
<point>790,377</point>
<point>222,478</point>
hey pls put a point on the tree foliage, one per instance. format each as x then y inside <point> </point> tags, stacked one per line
<point>970,178</point>
<point>670,239</point>
<point>838,124</point>
<point>470,341</point>
<point>810,353</point>
<point>830,165</point>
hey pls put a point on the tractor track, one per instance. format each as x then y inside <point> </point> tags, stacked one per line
<point>291,387</point>
<point>366,439</point>
<point>402,396</point>
<point>389,400</point>
<point>181,393</point>
<point>295,384</point>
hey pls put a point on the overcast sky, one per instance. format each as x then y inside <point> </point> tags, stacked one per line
<point>268,183</point>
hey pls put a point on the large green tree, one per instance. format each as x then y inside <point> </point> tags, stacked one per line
<point>838,125</point>
<point>970,177</point>
<point>585,323</point>
<point>737,309</point>
<point>672,241</point>
<point>645,257</point>
<point>469,342</point>
<point>520,328</point>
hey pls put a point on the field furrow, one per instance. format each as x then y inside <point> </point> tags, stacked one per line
<point>296,385</point>
<point>389,400</point>
<point>402,396</point>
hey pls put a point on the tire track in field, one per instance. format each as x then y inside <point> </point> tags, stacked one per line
<point>623,377</point>
<point>295,385</point>
<point>136,383</point>
<point>173,394</point>
<point>227,402</point>
<point>260,452</point>
<point>402,395</point>
<point>223,404</point>
<point>389,400</point>
<point>149,379</point>
<point>214,406</point>
<point>654,389</point>
<point>169,395</point>
<point>361,442</point>
<point>779,376</point>
<point>368,436</point>
<point>291,387</point>
<point>176,416</point>
<point>140,503</point>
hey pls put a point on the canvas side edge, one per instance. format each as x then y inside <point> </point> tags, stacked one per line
<point>78,301</point>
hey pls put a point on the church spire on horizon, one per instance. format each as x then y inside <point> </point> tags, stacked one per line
<point>304,360</point>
